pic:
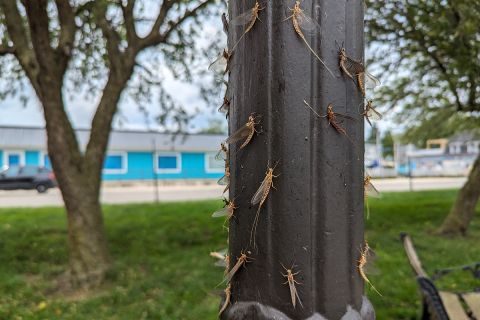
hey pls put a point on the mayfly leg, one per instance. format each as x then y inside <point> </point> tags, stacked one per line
<point>290,275</point>
<point>300,22</point>
<point>259,198</point>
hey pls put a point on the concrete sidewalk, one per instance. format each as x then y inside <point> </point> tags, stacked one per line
<point>145,193</point>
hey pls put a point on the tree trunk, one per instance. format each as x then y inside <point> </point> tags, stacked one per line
<point>89,259</point>
<point>79,185</point>
<point>463,210</point>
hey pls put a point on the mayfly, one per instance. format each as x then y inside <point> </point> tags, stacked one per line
<point>227,299</point>
<point>226,211</point>
<point>300,22</point>
<point>245,132</point>
<point>225,180</point>
<point>241,261</point>
<point>225,23</point>
<point>332,118</point>
<point>222,154</point>
<point>260,196</point>
<point>221,64</point>
<point>369,191</point>
<point>366,255</point>
<point>247,18</point>
<point>291,283</point>
<point>225,107</point>
<point>355,68</point>
<point>370,113</point>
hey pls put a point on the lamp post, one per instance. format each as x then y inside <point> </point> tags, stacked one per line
<point>312,221</point>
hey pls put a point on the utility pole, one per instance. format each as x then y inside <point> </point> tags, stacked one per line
<point>313,220</point>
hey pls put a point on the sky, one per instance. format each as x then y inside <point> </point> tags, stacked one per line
<point>81,109</point>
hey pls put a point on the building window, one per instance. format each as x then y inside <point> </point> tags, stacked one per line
<point>115,163</point>
<point>45,160</point>
<point>14,158</point>
<point>168,163</point>
<point>473,147</point>
<point>455,148</point>
<point>213,165</point>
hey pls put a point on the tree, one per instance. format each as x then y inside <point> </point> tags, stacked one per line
<point>387,144</point>
<point>215,126</point>
<point>427,52</point>
<point>372,136</point>
<point>97,43</point>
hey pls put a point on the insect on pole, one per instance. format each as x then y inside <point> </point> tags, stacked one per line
<point>297,238</point>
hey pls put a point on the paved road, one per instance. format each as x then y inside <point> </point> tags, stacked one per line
<point>137,194</point>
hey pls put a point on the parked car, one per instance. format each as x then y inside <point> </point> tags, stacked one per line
<point>27,177</point>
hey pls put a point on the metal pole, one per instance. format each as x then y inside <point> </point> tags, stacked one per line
<point>410,177</point>
<point>313,220</point>
<point>155,175</point>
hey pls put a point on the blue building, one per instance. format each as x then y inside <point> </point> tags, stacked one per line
<point>131,155</point>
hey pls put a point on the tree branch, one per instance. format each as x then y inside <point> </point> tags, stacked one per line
<point>155,37</point>
<point>66,17</point>
<point>40,35</point>
<point>127,11</point>
<point>6,49</point>
<point>111,35</point>
<point>20,38</point>
<point>419,36</point>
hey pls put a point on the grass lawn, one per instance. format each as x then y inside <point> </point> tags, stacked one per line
<point>162,269</point>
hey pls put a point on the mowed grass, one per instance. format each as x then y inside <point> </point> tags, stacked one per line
<point>162,269</point>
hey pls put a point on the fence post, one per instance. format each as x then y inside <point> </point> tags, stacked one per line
<point>313,220</point>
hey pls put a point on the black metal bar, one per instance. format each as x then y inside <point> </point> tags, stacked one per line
<point>314,217</point>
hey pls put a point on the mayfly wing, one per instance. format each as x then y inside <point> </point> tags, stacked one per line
<point>238,135</point>
<point>293,292</point>
<point>371,191</point>
<point>344,116</point>
<point>308,24</point>
<point>371,82</point>
<point>370,267</point>
<point>219,65</point>
<point>296,294</point>
<point>221,213</point>
<point>234,270</point>
<point>223,181</point>
<point>220,155</point>
<point>221,263</point>
<point>373,114</point>
<point>243,18</point>
<point>224,107</point>
<point>354,67</point>
<point>257,197</point>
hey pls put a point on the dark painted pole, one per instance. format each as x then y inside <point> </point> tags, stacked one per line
<point>314,218</point>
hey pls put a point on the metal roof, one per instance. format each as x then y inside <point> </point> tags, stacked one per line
<point>35,139</point>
